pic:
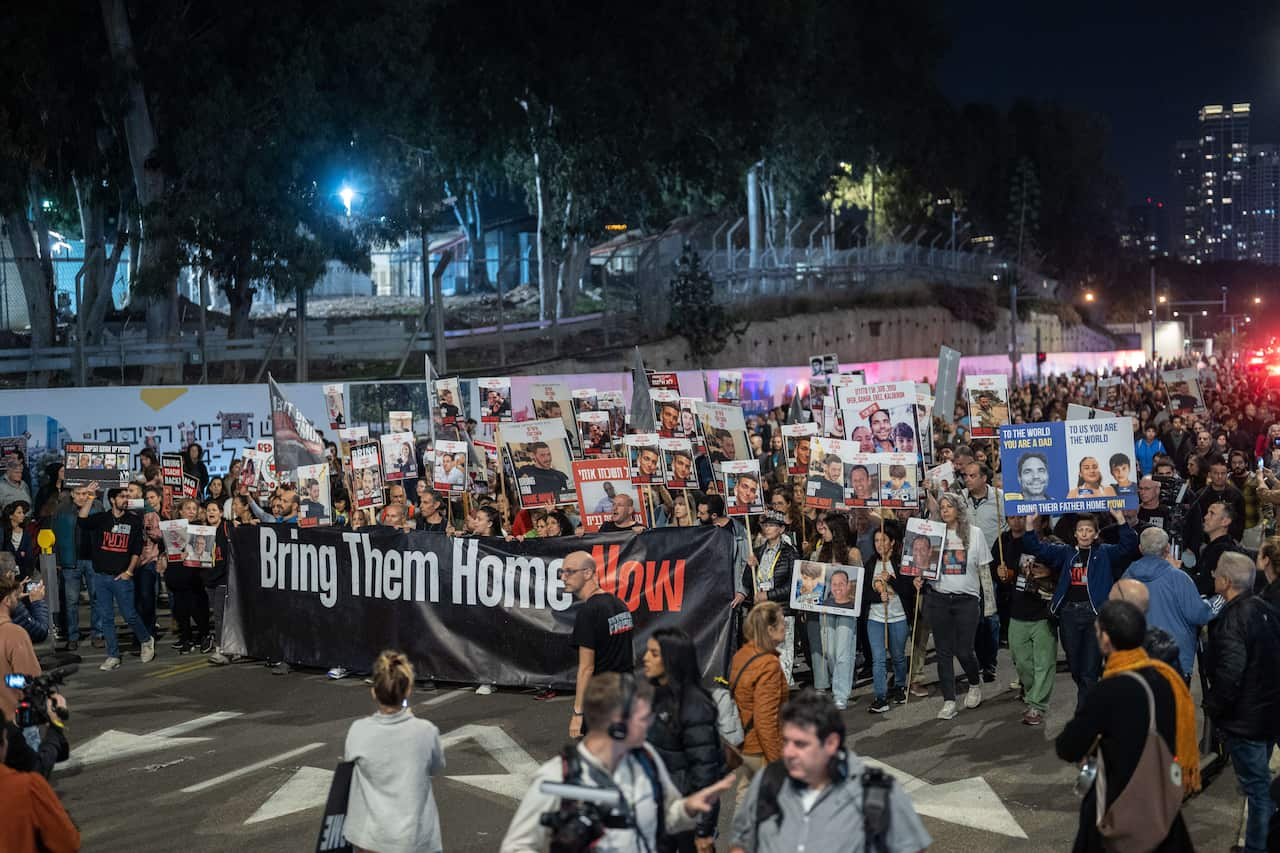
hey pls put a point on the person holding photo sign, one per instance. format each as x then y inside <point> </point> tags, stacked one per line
<point>1085,575</point>
<point>953,602</point>
<point>770,578</point>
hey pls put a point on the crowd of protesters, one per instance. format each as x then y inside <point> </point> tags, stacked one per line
<point>1196,561</point>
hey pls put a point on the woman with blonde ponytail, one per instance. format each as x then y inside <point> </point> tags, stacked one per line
<point>391,808</point>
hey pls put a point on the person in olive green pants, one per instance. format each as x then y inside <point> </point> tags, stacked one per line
<point>1032,639</point>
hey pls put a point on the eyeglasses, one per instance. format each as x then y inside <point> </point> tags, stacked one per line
<point>563,573</point>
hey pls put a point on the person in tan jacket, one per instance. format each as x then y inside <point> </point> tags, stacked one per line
<point>759,689</point>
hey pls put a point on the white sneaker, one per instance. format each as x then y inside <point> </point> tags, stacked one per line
<point>219,659</point>
<point>973,698</point>
<point>948,711</point>
<point>338,672</point>
<point>1015,684</point>
<point>484,690</point>
<point>110,664</point>
<point>149,650</point>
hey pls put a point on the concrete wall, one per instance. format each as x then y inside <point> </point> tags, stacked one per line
<point>854,335</point>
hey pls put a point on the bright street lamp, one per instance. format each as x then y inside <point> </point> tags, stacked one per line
<point>347,195</point>
<point>1088,296</point>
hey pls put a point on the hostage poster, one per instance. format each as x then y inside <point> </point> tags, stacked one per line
<point>1068,466</point>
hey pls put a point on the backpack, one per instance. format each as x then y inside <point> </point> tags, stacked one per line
<point>728,719</point>
<point>876,786</point>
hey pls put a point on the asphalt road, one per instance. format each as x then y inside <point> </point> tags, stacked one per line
<point>177,755</point>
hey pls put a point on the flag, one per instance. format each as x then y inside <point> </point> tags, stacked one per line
<point>796,415</point>
<point>296,441</point>
<point>641,402</point>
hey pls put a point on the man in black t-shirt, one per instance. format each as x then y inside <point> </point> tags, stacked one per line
<point>115,541</point>
<point>624,518</point>
<point>602,630</point>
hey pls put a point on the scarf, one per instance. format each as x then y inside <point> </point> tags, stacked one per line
<point>1187,750</point>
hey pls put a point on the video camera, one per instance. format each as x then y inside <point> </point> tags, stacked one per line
<point>584,815</point>
<point>36,691</point>
<point>1170,489</point>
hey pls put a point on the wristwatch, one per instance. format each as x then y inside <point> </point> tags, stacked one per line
<point>577,713</point>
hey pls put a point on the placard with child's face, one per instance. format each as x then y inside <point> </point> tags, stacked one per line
<point>826,587</point>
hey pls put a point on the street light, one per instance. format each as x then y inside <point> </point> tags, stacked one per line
<point>1088,296</point>
<point>1163,299</point>
<point>347,195</point>
<point>1257,300</point>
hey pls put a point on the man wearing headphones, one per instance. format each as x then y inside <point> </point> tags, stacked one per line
<point>612,756</point>
<point>819,797</point>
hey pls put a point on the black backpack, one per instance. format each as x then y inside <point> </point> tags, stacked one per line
<point>876,785</point>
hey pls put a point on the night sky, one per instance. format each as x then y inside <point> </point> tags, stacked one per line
<point>1146,67</point>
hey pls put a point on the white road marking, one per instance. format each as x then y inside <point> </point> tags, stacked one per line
<point>307,788</point>
<point>252,768</point>
<point>519,764</point>
<point>967,802</point>
<point>444,697</point>
<point>112,745</point>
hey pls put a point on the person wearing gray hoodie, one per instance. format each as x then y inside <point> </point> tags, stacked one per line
<point>391,807</point>
<point>1175,603</point>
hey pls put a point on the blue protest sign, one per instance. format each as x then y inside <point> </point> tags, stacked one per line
<point>1068,466</point>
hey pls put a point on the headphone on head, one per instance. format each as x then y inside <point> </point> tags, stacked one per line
<point>618,728</point>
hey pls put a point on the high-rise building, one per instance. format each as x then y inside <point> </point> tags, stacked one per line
<point>1224,155</point>
<point>1184,215</point>
<point>1264,203</point>
<point>1146,230</point>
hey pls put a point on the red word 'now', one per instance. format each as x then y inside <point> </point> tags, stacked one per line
<point>662,584</point>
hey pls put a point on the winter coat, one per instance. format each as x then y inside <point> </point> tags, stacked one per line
<point>685,734</point>
<point>1242,662</point>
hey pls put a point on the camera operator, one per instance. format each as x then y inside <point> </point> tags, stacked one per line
<point>32,615</point>
<point>17,655</point>
<point>819,797</point>
<point>613,756</point>
<point>30,749</point>
<point>34,818</point>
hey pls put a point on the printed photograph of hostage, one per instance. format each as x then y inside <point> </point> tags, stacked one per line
<point>810,583</point>
<point>1089,481</point>
<point>864,484</point>
<point>1033,476</point>
<point>742,486</point>
<point>840,590</point>
<point>539,479</point>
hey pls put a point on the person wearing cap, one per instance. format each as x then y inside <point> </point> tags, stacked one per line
<point>115,541</point>
<point>770,579</point>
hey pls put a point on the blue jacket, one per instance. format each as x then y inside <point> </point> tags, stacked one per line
<point>1146,454</point>
<point>1176,605</point>
<point>1101,574</point>
<point>32,618</point>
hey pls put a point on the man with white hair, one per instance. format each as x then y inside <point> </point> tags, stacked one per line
<point>1242,661</point>
<point>1175,604</point>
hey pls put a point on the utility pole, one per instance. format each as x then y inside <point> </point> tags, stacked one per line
<point>1038,351</point>
<point>1153,312</point>
<point>300,340</point>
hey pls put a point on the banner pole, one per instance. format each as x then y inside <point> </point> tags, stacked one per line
<point>915,622</point>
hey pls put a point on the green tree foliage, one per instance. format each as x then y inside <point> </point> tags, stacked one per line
<point>705,324</point>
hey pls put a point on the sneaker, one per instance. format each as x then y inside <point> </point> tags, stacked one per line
<point>919,691</point>
<point>72,645</point>
<point>149,651</point>
<point>841,706</point>
<point>338,672</point>
<point>1016,684</point>
<point>899,696</point>
<point>879,706</point>
<point>279,668</point>
<point>219,659</point>
<point>989,676</point>
<point>186,650</point>
<point>110,664</point>
<point>180,645</point>
<point>973,698</point>
<point>948,711</point>
<point>208,645</point>
<point>98,643</point>
<point>1032,717</point>
<point>484,690</point>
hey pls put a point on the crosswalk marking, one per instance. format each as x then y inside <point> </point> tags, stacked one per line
<point>251,768</point>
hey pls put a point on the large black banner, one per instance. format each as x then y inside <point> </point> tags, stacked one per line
<point>464,609</point>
